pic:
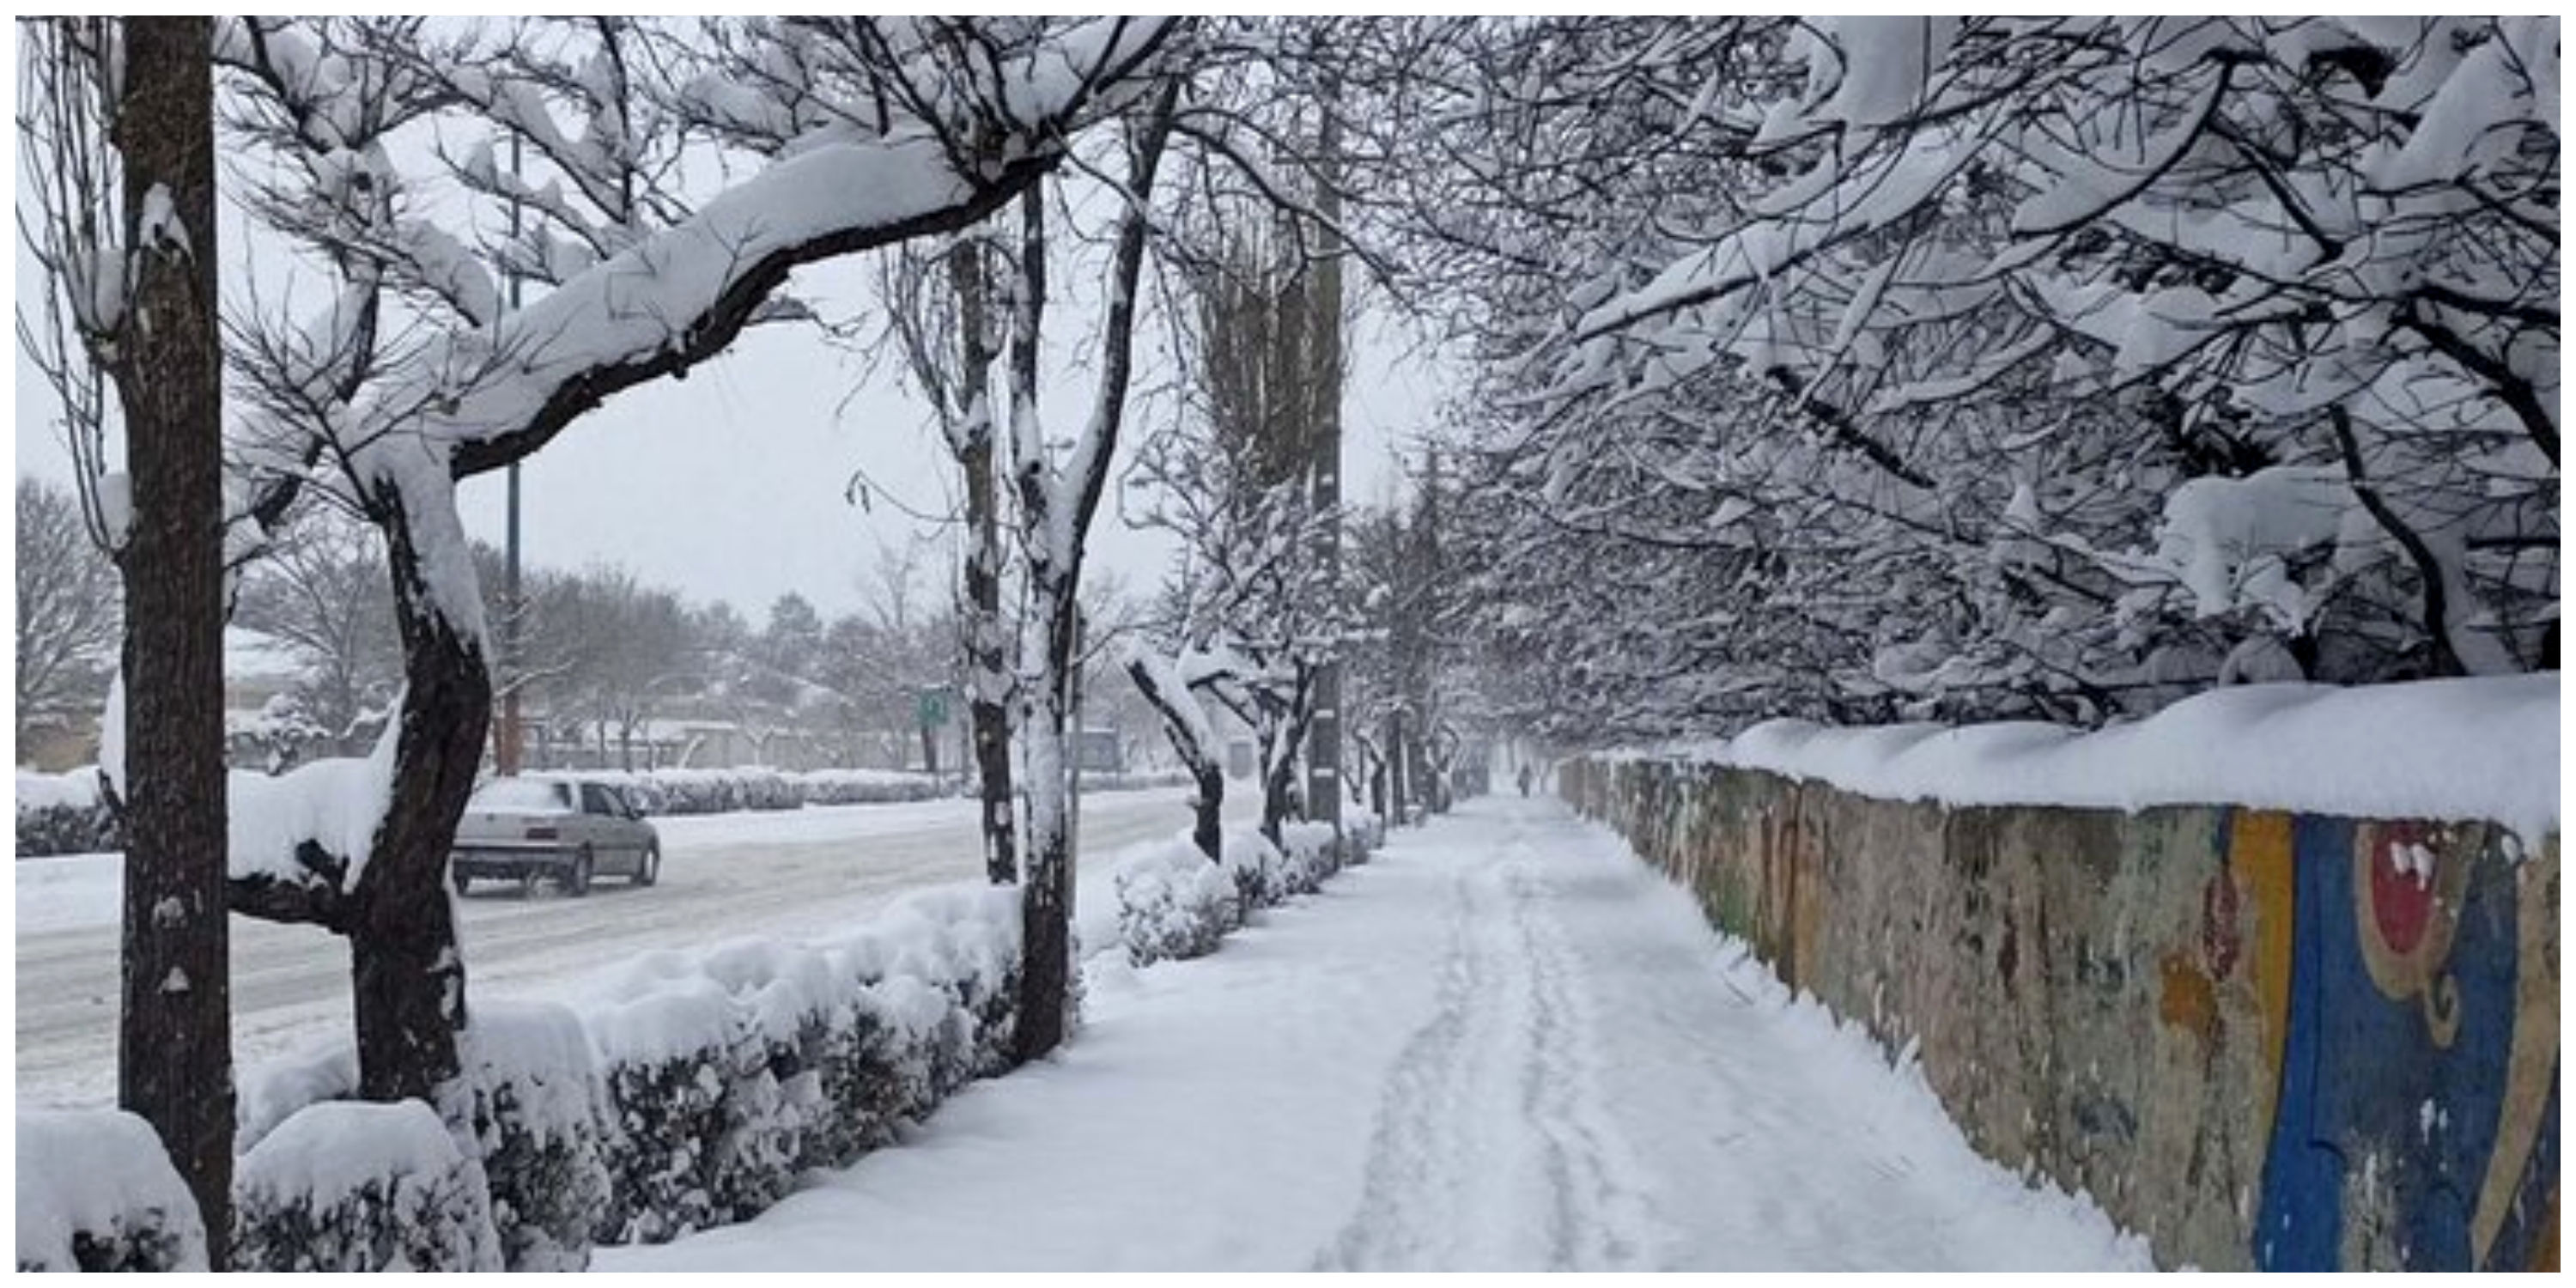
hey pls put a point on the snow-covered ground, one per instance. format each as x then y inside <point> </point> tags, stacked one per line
<point>1504,1044</point>
<point>788,874</point>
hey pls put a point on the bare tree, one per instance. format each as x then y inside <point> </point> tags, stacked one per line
<point>68,623</point>
<point>320,589</point>
<point>925,314</point>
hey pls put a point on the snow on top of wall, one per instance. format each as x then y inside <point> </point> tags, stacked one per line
<point>2483,748</point>
<point>96,1170</point>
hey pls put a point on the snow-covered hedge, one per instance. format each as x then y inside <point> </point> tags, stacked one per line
<point>732,1070</point>
<point>97,1192</point>
<point>689,1092</point>
<point>868,786</point>
<point>1173,904</point>
<point>538,1114</point>
<point>346,1185</point>
<point>724,791</point>
<point>62,814</point>
<point>531,1107</point>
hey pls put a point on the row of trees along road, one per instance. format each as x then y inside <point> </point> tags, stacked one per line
<point>406,375</point>
<point>602,653</point>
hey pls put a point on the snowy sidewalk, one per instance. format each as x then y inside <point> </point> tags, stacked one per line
<point>1503,1044</point>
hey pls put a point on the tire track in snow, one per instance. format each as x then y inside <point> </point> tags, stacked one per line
<point>1487,1148</point>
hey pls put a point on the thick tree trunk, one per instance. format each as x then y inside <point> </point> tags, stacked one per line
<point>174,1036</point>
<point>409,977</point>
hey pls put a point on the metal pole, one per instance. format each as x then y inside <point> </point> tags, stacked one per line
<point>505,757</point>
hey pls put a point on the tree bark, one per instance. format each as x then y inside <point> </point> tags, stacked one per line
<point>1055,516</point>
<point>1207,830</point>
<point>407,975</point>
<point>1045,905</point>
<point>174,1036</point>
<point>988,663</point>
<point>1279,762</point>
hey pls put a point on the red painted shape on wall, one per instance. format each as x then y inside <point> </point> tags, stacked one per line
<point>2401,900</point>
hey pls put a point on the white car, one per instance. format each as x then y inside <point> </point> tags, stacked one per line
<point>528,829</point>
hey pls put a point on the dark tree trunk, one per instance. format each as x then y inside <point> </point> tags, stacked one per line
<point>174,1036</point>
<point>1207,830</point>
<point>1279,770</point>
<point>1395,767</point>
<point>408,976</point>
<point>988,657</point>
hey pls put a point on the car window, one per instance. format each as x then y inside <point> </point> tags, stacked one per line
<point>594,799</point>
<point>520,795</point>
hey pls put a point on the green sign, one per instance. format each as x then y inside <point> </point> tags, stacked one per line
<point>931,705</point>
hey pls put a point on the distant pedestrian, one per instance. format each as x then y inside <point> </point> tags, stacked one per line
<point>1525,778</point>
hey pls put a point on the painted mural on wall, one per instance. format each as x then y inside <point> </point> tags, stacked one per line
<point>2262,1040</point>
<point>2418,1119</point>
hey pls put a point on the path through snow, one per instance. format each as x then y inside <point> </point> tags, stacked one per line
<point>1505,1044</point>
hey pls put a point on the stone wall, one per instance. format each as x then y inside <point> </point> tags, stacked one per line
<point>2262,1040</point>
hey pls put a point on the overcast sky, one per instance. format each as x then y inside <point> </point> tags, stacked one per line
<point>733,483</point>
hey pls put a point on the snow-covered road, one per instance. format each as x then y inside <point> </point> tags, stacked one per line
<point>789,874</point>
<point>1505,1044</point>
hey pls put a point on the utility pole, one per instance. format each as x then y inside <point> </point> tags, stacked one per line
<point>1324,740</point>
<point>505,752</point>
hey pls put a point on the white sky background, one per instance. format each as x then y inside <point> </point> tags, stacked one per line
<point>730,484</point>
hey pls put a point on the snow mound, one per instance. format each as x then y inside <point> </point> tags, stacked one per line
<point>348,1185</point>
<point>96,1192</point>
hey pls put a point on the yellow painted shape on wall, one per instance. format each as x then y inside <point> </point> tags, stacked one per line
<point>2534,1053</point>
<point>2259,861</point>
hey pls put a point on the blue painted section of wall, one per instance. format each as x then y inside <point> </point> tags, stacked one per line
<point>2396,1139</point>
<point>2301,1223</point>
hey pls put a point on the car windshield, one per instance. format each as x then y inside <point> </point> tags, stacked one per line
<point>520,796</point>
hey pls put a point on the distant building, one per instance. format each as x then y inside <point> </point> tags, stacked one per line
<point>1102,751</point>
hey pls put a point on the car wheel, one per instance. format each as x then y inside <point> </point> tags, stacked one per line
<point>577,881</point>
<point>649,869</point>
